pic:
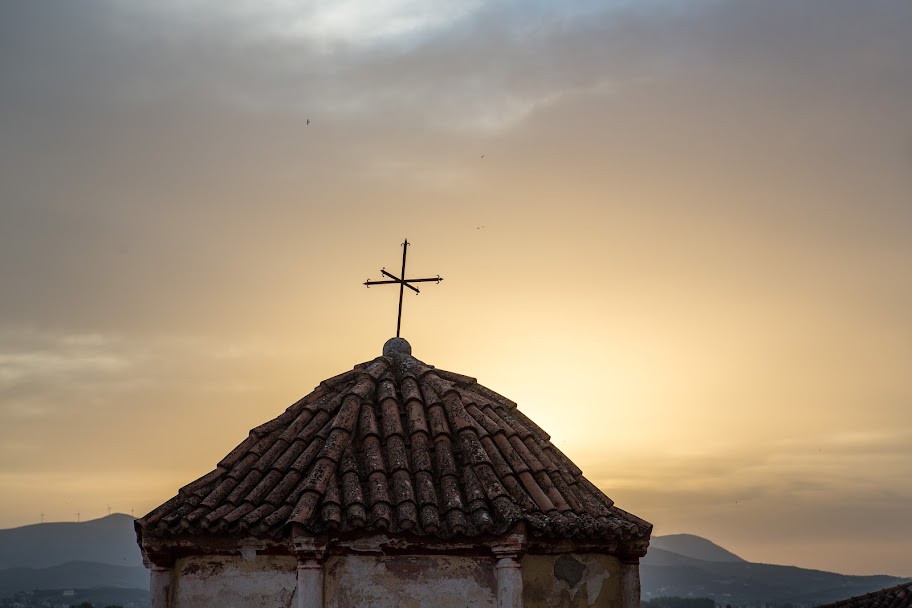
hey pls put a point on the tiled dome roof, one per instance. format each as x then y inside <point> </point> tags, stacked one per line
<point>397,446</point>
<point>899,596</point>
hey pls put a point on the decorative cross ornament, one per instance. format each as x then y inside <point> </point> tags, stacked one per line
<point>402,282</point>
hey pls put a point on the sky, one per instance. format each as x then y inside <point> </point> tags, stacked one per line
<point>677,234</point>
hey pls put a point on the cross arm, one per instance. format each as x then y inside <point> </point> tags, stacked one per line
<point>435,279</point>
<point>395,281</point>
<point>392,276</point>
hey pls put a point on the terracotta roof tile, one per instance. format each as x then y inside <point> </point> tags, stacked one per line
<point>899,596</point>
<point>238,453</point>
<point>397,445</point>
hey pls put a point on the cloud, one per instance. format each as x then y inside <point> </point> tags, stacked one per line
<point>721,187</point>
<point>461,65</point>
<point>39,357</point>
<point>794,491</point>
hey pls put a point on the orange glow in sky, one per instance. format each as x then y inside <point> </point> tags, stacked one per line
<point>678,235</point>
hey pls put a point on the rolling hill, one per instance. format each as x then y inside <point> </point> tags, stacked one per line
<point>732,580</point>
<point>103,553</point>
<point>109,540</point>
<point>99,555</point>
<point>693,546</point>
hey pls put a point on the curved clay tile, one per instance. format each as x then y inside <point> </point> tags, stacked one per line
<point>398,446</point>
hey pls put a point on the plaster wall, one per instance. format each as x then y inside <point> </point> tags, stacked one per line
<point>235,582</point>
<point>409,582</point>
<point>571,580</point>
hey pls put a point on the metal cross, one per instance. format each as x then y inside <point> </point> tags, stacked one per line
<point>402,282</point>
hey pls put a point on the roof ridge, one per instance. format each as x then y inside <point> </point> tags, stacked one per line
<point>897,596</point>
<point>887,591</point>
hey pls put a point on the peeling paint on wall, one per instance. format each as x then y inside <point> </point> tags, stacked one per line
<point>410,582</point>
<point>571,581</point>
<point>235,582</point>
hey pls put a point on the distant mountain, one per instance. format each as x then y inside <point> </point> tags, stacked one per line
<point>103,553</point>
<point>693,546</point>
<point>109,540</point>
<point>73,575</point>
<point>734,581</point>
<point>69,555</point>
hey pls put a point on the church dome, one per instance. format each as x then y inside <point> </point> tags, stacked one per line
<point>396,446</point>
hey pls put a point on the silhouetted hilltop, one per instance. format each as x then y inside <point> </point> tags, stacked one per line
<point>103,553</point>
<point>109,540</point>
<point>732,580</point>
<point>693,546</point>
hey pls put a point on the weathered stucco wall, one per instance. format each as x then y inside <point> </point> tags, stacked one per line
<point>571,581</point>
<point>410,582</point>
<point>235,582</point>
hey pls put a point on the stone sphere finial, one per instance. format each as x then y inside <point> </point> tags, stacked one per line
<point>396,346</point>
